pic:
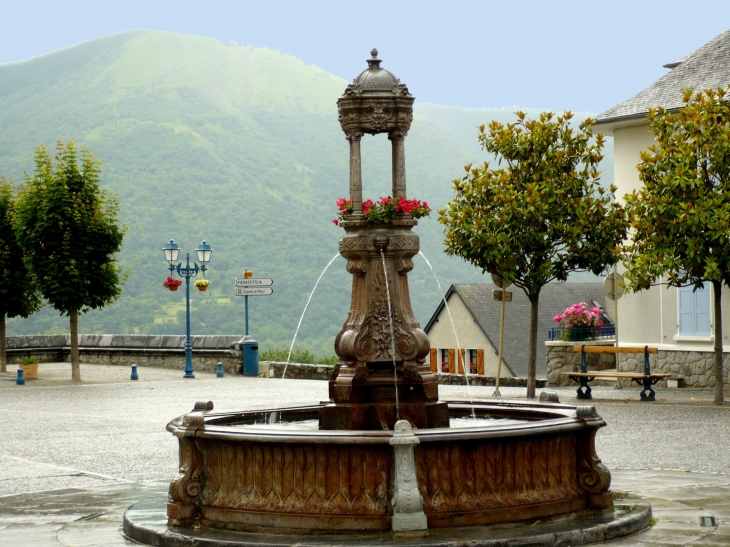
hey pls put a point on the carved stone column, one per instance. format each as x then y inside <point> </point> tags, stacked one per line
<point>398,139</point>
<point>355,172</point>
<point>407,499</point>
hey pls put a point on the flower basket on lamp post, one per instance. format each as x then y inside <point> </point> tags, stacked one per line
<point>172,283</point>
<point>202,284</point>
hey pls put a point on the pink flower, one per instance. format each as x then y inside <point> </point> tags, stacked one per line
<point>336,222</point>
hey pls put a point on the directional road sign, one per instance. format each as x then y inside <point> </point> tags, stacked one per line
<point>253,282</point>
<point>254,291</point>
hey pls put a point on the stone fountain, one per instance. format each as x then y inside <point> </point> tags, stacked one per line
<point>382,455</point>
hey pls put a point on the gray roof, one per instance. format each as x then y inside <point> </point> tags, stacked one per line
<point>554,298</point>
<point>705,68</point>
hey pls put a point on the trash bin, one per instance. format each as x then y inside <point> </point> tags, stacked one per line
<point>250,358</point>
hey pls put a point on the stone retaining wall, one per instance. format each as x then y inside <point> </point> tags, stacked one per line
<point>695,368</point>
<point>561,358</point>
<point>274,369</point>
<point>167,351</point>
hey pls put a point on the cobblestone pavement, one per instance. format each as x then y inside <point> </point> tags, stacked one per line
<point>74,456</point>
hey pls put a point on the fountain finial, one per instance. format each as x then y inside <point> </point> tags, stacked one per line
<point>374,62</point>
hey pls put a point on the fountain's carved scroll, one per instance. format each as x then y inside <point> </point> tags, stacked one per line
<point>381,332</point>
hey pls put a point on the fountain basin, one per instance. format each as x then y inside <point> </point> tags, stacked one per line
<point>280,478</point>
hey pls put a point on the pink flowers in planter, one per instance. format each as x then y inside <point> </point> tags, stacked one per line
<point>384,210</point>
<point>577,316</point>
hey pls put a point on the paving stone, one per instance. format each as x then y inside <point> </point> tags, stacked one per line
<point>70,450</point>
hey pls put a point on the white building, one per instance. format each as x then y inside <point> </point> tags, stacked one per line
<point>677,321</point>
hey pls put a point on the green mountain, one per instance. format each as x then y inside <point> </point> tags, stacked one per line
<point>235,145</point>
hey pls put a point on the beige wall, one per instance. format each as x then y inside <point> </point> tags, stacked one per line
<point>650,317</point>
<point>628,144</point>
<point>469,334</point>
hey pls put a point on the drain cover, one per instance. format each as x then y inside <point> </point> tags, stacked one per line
<point>708,522</point>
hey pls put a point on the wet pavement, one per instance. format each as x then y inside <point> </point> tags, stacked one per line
<point>75,456</point>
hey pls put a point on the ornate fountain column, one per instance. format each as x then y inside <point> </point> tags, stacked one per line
<point>382,375</point>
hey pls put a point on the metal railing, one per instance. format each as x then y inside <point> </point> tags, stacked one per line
<point>603,332</point>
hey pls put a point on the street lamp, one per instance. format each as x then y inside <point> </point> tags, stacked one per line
<point>172,251</point>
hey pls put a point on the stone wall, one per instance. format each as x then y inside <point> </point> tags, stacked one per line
<point>166,351</point>
<point>694,368</point>
<point>323,372</point>
<point>562,358</point>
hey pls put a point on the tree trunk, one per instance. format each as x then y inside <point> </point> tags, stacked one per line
<point>532,362</point>
<point>3,359</point>
<point>719,387</point>
<point>75,368</point>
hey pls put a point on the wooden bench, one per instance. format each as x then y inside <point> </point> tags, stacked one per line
<point>646,379</point>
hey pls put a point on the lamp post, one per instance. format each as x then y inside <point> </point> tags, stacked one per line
<point>171,253</point>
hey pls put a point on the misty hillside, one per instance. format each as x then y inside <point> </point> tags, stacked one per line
<point>235,145</point>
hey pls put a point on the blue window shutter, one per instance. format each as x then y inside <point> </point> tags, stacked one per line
<point>694,311</point>
<point>702,311</point>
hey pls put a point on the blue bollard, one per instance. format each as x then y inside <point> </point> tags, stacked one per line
<point>219,372</point>
<point>21,377</point>
<point>134,373</point>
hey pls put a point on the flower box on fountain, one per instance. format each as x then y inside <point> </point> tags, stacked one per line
<point>385,210</point>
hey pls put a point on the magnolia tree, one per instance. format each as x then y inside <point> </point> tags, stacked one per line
<point>540,214</point>
<point>18,292</point>
<point>68,230</point>
<point>681,217</point>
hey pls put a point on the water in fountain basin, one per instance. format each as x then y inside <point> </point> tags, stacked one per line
<point>456,337</point>
<point>296,332</point>
<point>455,422</point>
<point>392,337</point>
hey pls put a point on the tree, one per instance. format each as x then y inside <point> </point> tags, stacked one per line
<point>681,216</point>
<point>18,291</point>
<point>541,216</point>
<point>67,228</point>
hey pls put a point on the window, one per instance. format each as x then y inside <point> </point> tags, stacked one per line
<point>473,361</point>
<point>694,311</point>
<point>444,361</point>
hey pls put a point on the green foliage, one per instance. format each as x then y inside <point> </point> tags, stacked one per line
<point>542,213</point>
<point>541,216</point>
<point>67,228</point>
<point>681,216</point>
<point>18,291</point>
<point>280,355</point>
<point>297,356</point>
<point>29,361</point>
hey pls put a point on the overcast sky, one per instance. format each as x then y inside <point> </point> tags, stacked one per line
<point>582,56</point>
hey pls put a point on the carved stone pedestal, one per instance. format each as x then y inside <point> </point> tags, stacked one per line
<point>382,375</point>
